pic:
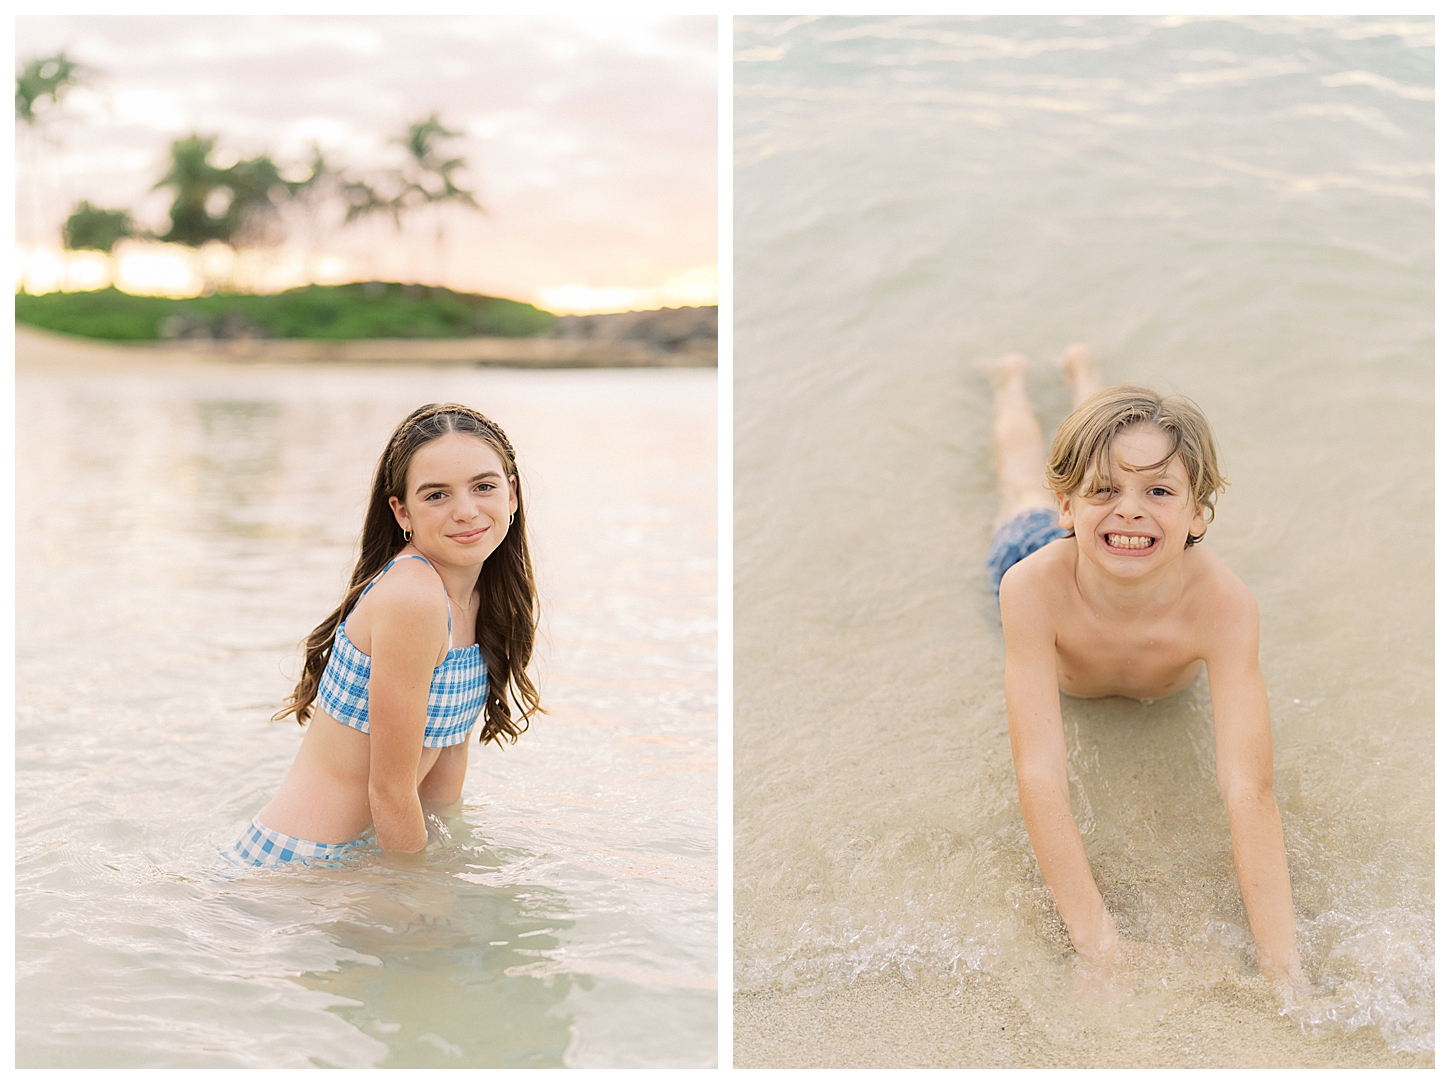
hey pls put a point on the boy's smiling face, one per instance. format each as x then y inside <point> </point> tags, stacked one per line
<point>1137,520</point>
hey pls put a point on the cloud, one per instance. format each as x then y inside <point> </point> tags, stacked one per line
<point>590,140</point>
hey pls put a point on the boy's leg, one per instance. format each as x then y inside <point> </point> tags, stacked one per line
<point>1080,372</point>
<point>1017,443</point>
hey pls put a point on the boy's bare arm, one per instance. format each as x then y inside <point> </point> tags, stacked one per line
<point>1039,754</point>
<point>1245,756</point>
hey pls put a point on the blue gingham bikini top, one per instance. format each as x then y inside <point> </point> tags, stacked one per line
<point>455,695</point>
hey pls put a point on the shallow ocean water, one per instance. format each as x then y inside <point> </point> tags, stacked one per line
<point>180,529</point>
<point>1237,209</point>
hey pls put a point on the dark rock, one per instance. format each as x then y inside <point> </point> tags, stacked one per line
<point>668,329</point>
<point>180,325</point>
<point>230,326</point>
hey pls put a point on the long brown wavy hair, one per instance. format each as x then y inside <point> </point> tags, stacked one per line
<point>508,612</point>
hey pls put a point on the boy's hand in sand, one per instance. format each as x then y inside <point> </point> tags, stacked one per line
<point>1107,971</point>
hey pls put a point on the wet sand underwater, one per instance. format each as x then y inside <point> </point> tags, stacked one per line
<point>1221,208</point>
<point>985,1026</point>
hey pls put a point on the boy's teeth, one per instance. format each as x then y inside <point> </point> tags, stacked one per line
<point>1124,542</point>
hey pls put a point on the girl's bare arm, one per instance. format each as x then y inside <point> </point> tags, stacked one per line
<point>443,785</point>
<point>408,630</point>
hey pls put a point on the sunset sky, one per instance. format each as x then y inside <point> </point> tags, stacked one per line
<point>591,143</point>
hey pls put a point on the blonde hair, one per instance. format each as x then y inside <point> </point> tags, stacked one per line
<point>1079,457</point>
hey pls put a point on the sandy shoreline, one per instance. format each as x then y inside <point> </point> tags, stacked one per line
<point>881,1022</point>
<point>475,352</point>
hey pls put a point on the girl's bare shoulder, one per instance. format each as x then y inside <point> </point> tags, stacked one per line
<point>409,594</point>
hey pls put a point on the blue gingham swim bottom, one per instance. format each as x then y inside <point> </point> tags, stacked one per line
<point>1022,535</point>
<point>259,845</point>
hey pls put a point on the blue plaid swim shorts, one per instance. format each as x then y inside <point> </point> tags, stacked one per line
<point>259,845</point>
<point>1022,535</point>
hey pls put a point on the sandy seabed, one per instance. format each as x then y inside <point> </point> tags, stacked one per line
<point>880,1023</point>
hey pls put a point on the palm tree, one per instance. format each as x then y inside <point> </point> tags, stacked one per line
<point>238,205</point>
<point>46,78</point>
<point>39,86</point>
<point>422,145</point>
<point>96,228</point>
<point>193,177</point>
<point>426,180</point>
<point>308,203</point>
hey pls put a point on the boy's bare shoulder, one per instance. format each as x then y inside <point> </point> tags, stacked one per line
<point>1223,599</point>
<point>1038,583</point>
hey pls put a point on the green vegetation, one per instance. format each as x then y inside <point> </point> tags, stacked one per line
<point>246,194</point>
<point>427,180</point>
<point>96,228</point>
<point>44,82</point>
<point>359,310</point>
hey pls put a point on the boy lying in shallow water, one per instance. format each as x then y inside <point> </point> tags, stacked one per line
<point>1105,592</point>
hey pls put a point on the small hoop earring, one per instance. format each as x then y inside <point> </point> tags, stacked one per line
<point>407,535</point>
<point>511,519</point>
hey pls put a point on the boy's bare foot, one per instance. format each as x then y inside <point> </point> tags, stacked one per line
<point>1009,369</point>
<point>1080,372</point>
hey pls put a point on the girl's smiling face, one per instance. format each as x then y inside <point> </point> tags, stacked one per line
<point>1137,519</point>
<point>457,501</point>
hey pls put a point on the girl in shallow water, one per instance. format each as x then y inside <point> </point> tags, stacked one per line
<point>437,626</point>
